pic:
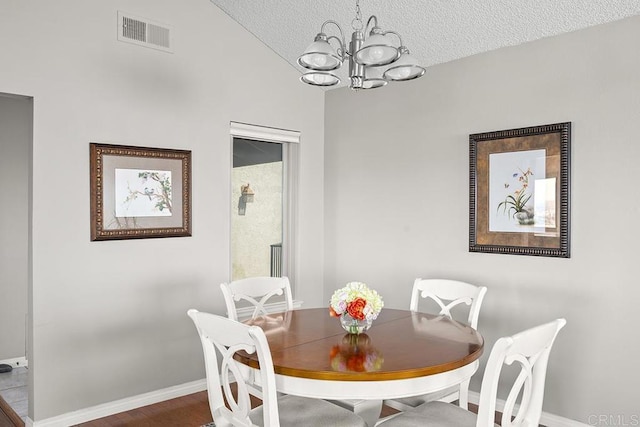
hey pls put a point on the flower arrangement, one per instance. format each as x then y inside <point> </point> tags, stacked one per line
<point>357,300</point>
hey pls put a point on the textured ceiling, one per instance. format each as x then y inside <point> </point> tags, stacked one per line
<point>435,31</point>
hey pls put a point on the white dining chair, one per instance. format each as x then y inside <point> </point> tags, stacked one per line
<point>256,291</point>
<point>528,350</point>
<point>224,336</point>
<point>445,296</point>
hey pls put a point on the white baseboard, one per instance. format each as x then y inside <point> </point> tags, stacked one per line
<point>117,406</point>
<point>549,420</point>
<point>15,362</point>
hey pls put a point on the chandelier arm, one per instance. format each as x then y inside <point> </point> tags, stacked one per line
<point>375,23</point>
<point>395,34</point>
<point>341,40</point>
<point>342,50</point>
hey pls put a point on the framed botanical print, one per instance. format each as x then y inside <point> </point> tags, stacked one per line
<point>519,191</point>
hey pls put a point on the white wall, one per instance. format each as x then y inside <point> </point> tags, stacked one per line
<point>396,206</point>
<point>15,145</point>
<point>109,318</point>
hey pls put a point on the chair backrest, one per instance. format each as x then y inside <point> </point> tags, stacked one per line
<point>257,291</point>
<point>226,337</point>
<point>529,350</point>
<point>448,294</point>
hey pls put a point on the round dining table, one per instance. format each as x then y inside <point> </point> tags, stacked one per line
<point>403,354</point>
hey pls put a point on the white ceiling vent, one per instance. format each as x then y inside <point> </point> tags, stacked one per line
<point>143,32</point>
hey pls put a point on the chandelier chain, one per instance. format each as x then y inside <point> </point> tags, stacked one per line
<point>356,24</point>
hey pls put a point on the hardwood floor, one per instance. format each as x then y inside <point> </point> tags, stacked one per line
<point>187,411</point>
<point>5,421</point>
<point>8,416</point>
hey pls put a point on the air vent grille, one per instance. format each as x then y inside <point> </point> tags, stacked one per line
<point>158,35</point>
<point>143,32</point>
<point>134,29</point>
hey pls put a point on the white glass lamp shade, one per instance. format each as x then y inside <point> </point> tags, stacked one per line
<point>373,83</point>
<point>320,56</point>
<point>376,50</point>
<point>373,78</point>
<point>320,78</point>
<point>405,68</point>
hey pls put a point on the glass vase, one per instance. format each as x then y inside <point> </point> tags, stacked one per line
<point>354,326</point>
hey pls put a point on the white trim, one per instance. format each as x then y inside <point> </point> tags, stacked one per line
<point>122,405</point>
<point>263,133</point>
<point>549,420</point>
<point>290,213</point>
<point>15,362</point>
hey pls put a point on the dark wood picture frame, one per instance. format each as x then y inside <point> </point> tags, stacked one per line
<point>139,192</point>
<point>519,188</point>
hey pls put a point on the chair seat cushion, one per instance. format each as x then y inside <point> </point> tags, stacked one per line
<point>434,414</point>
<point>298,411</point>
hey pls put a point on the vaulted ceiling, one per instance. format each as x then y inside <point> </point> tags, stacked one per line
<point>435,31</point>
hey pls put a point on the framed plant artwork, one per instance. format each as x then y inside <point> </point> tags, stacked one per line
<point>519,191</point>
<point>139,192</point>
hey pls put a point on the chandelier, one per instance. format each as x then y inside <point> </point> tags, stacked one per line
<point>374,60</point>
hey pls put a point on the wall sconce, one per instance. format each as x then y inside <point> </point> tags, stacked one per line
<point>246,196</point>
<point>247,193</point>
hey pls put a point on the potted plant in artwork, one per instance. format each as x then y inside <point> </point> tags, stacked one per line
<point>356,305</point>
<point>516,203</point>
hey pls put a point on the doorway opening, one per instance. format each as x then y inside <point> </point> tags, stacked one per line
<point>256,221</point>
<point>263,177</point>
<point>16,141</point>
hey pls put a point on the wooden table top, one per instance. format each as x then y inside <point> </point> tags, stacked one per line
<point>400,344</point>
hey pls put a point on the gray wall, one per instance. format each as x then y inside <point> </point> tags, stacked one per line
<point>109,318</point>
<point>106,327</point>
<point>396,205</point>
<point>15,144</point>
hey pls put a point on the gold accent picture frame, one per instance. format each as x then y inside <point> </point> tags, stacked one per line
<point>139,192</point>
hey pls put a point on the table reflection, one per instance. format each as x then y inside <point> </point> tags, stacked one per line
<point>355,353</point>
<point>272,323</point>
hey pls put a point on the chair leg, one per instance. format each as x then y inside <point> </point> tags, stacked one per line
<point>463,395</point>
